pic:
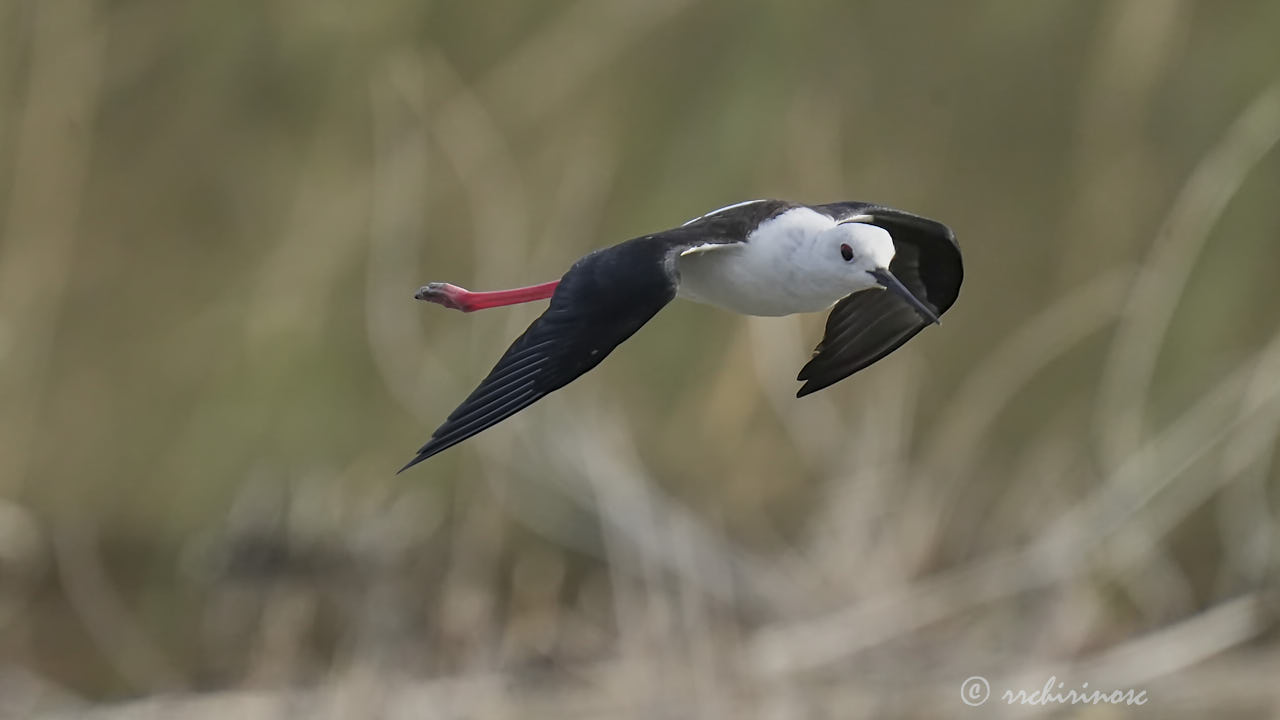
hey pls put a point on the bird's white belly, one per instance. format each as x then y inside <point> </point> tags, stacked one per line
<point>753,280</point>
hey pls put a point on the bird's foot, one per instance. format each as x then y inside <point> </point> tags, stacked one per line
<point>450,296</point>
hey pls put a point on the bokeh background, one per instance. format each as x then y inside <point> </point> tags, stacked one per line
<point>213,216</point>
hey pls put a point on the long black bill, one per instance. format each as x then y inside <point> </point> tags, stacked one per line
<point>886,278</point>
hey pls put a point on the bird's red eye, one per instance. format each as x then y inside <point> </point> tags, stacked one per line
<point>846,252</point>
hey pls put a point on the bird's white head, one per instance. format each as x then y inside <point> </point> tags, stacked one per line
<point>865,251</point>
<point>854,250</point>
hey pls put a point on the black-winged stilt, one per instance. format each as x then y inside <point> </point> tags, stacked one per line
<point>762,257</point>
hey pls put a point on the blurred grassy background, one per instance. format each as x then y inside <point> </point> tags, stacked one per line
<point>212,220</point>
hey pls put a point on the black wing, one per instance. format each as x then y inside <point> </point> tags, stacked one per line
<point>603,299</point>
<point>867,325</point>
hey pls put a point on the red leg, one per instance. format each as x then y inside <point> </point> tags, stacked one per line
<point>452,296</point>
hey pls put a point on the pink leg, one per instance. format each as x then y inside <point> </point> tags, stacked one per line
<point>452,296</point>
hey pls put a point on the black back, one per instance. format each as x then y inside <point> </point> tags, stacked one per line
<point>735,222</point>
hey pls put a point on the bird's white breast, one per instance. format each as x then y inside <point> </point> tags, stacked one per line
<point>770,274</point>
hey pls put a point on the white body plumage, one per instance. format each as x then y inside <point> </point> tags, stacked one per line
<point>799,261</point>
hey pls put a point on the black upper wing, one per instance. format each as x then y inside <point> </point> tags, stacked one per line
<point>867,325</point>
<point>603,299</point>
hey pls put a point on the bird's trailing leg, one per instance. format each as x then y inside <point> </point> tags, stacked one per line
<point>452,296</point>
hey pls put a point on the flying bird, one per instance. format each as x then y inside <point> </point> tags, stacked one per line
<point>888,273</point>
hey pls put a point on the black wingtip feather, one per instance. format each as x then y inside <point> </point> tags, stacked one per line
<point>416,459</point>
<point>804,372</point>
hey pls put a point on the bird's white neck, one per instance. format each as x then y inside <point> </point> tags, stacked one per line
<point>784,267</point>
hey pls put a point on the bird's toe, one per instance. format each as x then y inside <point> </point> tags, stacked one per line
<point>438,293</point>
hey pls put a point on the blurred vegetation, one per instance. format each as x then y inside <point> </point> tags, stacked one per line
<point>213,217</point>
